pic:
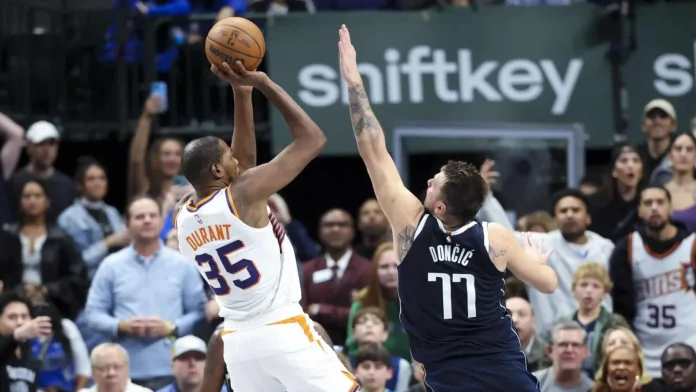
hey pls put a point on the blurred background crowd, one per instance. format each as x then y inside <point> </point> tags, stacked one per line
<point>85,135</point>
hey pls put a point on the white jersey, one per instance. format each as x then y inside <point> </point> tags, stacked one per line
<point>665,299</point>
<point>252,271</point>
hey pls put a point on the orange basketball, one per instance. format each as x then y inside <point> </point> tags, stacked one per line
<point>234,39</point>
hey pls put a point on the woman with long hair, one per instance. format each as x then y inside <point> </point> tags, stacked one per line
<point>617,217</point>
<point>621,371</point>
<point>49,262</point>
<point>381,292</point>
<point>621,337</point>
<point>682,186</point>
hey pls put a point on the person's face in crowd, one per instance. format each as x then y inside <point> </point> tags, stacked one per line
<point>43,154</point>
<point>371,219</point>
<point>34,201</point>
<point>589,293</point>
<point>172,240</point>
<point>571,217</point>
<point>144,220</point>
<point>188,370</point>
<point>373,375</point>
<point>654,208</point>
<point>617,338</point>
<point>370,329</point>
<point>94,184</point>
<point>387,272</point>
<point>628,169</point>
<point>110,371</point>
<point>588,189</point>
<point>568,350</point>
<point>683,154</point>
<point>522,317</point>
<point>13,316</point>
<point>678,371</point>
<point>169,156</point>
<point>336,230</point>
<point>657,124</point>
<point>623,369</point>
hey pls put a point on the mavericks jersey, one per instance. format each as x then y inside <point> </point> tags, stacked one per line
<point>665,300</point>
<point>251,270</point>
<point>452,296</point>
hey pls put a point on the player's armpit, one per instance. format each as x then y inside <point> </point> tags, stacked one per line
<point>214,372</point>
<point>506,252</point>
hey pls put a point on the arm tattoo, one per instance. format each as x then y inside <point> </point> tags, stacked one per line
<point>495,253</point>
<point>361,114</point>
<point>251,159</point>
<point>405,241</point>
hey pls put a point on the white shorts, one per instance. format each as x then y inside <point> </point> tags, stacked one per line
<point>286,355</point>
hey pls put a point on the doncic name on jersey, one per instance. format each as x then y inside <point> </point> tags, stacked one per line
<point>451,253</point>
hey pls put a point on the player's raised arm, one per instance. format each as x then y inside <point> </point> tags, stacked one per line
<point>400,206</point>
<point>243,137</point>
<point>259,183</point>
<point>528,262</point>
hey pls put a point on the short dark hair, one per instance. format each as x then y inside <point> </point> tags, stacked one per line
<point>198,156</point>
<point>84,163</point>
<point>138,198</point>
<point>570,192</point>
<point>10,297</point>
<point>373,352</point>
<point>464,190</point>
<point>370,310</point>
<point>685,346</point>
<point>660,187</point>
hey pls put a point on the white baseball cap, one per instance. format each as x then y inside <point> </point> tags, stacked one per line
<point>41,131</point>
<point>187,344</point>
<point>663,105</point>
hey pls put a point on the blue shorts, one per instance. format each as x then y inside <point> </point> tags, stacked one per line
<point>481,374</point>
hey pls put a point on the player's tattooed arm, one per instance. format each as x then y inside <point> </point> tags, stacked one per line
<point>496,254</point>
<point>361,114</point>
<point>405,240</point>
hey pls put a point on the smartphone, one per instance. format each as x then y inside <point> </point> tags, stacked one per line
<point>159,89</point>
<point>180,180</point>
<point>42,309</point>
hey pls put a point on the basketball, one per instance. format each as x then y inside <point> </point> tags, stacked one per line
<point>233,39</point>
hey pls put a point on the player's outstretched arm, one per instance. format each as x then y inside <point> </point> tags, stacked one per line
<point>400,206</point>
<point>528,262</point>
<point>244,135</point>
<point>259,183</point>
<point>214,372</point>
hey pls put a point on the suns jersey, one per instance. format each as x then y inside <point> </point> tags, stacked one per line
<point>665,299</point>
<point>251,270</point>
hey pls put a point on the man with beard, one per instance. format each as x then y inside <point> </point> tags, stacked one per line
<point>373,227</point>
<point>653,274</point>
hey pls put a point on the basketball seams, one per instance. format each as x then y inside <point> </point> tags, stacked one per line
<point>256,64</point>
<point>229,28</point>
<point>250,36</point>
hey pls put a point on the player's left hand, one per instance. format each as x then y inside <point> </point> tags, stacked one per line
<point>238,76</point>
<point>155,327</point>
<point>348,58</point>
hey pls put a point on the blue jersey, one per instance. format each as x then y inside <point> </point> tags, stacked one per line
<point>452,296</point>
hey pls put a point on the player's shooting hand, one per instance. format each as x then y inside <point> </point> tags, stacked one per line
<point>487,172</point>
<point>32,329</point>
<point>348,58</point>
<point>535,247</point>
<point>238,76</point>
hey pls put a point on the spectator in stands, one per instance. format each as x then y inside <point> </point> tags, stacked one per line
<point>188,360</point>
<point>618,337</point>
<point>16,329</point>
<point>621,371</point>
<point>373,368</point>
<point>618,216</point>
<point>659,251</point>
<point>144,295</point>
<point>534,347</point>
<point>12,137</point>
<point>176,193</point>
<point>305,247</point>
<point>370,327</point>
<point>591,184</point>
<point>373,228</point>
<point>96,227</point>
<point>48,260</point>
<point>682,186</point>
<point>515,288</point>
<point>381,292</point>
<point>536,222</point>
<point>172,240</point>
<point>65,357</point>
<point>110,366</point>
<point>42,149</point>
<point>591,284</point>
<point>330,281</point>
<point>567,350</point>
<point>282,7</point>
<point>156,172</point>
<point>678,370</point>
<point>659,124</point>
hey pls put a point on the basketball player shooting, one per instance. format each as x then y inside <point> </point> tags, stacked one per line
<point>451,267</point>
<point>249,263</point>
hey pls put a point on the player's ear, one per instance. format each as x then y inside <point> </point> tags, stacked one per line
<point>216,170</point>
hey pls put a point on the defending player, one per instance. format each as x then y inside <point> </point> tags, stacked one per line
<point>451,267</point>
<point>242,251</point>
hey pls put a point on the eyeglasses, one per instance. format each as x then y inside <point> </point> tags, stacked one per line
<point>681,362</point>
